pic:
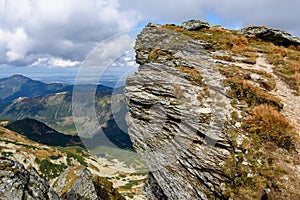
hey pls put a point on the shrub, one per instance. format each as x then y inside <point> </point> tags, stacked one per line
<point>271,126</point>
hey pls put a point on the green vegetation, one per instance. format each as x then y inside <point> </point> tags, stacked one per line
<point>19,144</point>
<point>2,132</point>
<point>122,175</point>
<point>75,153</point>
<point>129,185</point>
<point>52,157</point>
<point>77,157</point>
<point>50,170</point>
<point>130,158</point>
<point>7,154</point>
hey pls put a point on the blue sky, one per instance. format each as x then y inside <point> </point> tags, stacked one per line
<point>49,40</point>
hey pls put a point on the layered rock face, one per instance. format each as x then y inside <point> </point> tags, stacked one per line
<point>18,183</point>
<point>177,114</point>
<point>187,108</point>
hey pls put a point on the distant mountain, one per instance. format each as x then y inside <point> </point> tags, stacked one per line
<point>20,86</point>
<point>55,109</point>
<point>17,86</point>
<point>41,133</point>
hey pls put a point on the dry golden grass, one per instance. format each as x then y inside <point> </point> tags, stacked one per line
<point>217,29</point>
<point>271,126</point>
<point>239,43</point>
<point>194,74</point>
<point>71,177</point>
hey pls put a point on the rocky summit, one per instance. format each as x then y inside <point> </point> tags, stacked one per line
<point>214,112</point>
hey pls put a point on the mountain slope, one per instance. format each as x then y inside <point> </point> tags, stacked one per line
<point>20,86</point>
<point>54,163</point>
<point>55,109</point>
<point>41,133</point>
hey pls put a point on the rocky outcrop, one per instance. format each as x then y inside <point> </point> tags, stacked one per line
<point>171,115</point>
<point>278,37</point>
<point>79,184</point>
<point>17,183</point>
<point>194,25</point>
<point>196,107</point>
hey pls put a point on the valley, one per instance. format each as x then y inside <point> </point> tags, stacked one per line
<point>37,130</point>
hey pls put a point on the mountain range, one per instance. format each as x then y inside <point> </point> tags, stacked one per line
<point>22,97</point>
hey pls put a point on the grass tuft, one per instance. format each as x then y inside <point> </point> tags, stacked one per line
<point>271,126</point>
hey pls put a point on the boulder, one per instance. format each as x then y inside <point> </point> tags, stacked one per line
<point>277,37</point>
<point>195,25</point>
<point>79,183</point>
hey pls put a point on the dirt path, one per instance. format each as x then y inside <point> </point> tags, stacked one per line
<point>291,102</point>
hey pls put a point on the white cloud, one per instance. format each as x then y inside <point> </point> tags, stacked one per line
<point>55,62</point>
<point>69,29</point>
<point>109,50</point>
<point>60,28</point>
<point>17,45</point>
<point>59,62</point>
<point>40,62</point>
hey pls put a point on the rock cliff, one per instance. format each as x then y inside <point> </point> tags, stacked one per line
<point>197,113</point>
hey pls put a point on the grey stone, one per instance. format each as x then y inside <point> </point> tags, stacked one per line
<point>18,183</point>
<point>275,36</point>
<point>194,25</point>
<point>179,135</point>
<point>82,186</point>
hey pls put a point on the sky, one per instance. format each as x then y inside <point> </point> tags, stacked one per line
<point>52,40</point>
